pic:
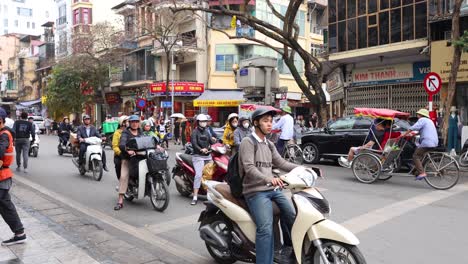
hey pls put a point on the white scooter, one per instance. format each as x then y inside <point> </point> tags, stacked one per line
<point>152,173</point>
<point>93,158</point>
<point>34,146</point>
<point>229,231</point>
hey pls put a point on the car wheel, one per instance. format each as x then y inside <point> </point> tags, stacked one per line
<point>310,153</point>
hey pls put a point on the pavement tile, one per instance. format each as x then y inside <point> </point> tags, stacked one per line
<point>114,245</point>
<point>98,237</point>
<point>73,255</point>
<point>6,254</point>
<point>54,211</point>
<point>45,258</point>
<point>64,217</point>
<point>28,249</point>
<point>11,261</point>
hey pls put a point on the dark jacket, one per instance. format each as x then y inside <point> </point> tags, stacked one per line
<point>200,139</point>
<point>81,133</point>
<point>64,127</point>
<point>23,129</point>
<point>126,136</point>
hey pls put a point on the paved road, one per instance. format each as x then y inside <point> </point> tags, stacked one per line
<point>399,221</point>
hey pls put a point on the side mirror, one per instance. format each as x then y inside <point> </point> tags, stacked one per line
<point>317,171</point>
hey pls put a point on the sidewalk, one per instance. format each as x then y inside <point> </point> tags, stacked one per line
<point>57,235</point>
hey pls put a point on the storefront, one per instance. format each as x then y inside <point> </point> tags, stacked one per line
<point>219,103</point>
<point>398,86</point>
<point>184,94</point>
<point>335,87</point>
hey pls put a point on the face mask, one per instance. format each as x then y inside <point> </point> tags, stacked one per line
<point>202,124</point>
<point>246,125</point>
<point>234,124</point>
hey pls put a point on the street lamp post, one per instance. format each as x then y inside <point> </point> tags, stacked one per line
<point>173,68</point>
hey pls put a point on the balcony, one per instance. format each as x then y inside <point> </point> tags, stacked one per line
<point>229,2</point>
<point>137,75</point>
<point>116,77</point>
<point>61,20</point>
<point>321,4</point>
<point>189,44</point>
<point>442,10</point>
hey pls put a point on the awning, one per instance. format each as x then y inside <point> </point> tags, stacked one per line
<point>219,98</point>
<point>29,103</point>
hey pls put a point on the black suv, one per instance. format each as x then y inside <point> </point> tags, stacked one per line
<point>335,140</point>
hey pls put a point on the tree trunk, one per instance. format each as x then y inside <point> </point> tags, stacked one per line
<point>454,70</point>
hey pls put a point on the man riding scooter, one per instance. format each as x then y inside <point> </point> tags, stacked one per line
<point>86,131</point>
<point>261,188</point>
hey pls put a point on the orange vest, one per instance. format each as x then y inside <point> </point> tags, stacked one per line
<point>7,159</point>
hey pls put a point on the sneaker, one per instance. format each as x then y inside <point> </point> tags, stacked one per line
<point>105,168</point>
<point>194,202</point>
<point>18,168</point>
<point>25,170</point>
<point>15,240</point>
<point>344,162</point>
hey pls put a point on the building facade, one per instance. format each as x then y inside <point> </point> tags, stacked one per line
<point>379,53</point>
<point>25,16</point>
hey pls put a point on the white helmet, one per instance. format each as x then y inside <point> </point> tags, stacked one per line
<point>232,115</point>
<point>202,117</point>
<point>122,119</point>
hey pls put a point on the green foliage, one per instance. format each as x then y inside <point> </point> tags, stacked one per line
<point>462,42</point>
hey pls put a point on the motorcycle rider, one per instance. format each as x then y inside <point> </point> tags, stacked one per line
<point>260,187</point>
<point>231,125</point>
<point>64,131</point>
<point>23,129</point>
<point>242,131</point>
<point>201,141</point>
<point>115,144</point>
<point>286,125</point>
<point>213,135</point>
<point>86,131</point>
<point>132,131</point>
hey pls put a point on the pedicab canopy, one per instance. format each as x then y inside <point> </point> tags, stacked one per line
<point>380,113</point>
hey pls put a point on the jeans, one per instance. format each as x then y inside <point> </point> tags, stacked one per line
<point>83,147</point>
<point>22,147</point>
<point>280,145</point>
<point>261,209</point>
<point>8,212</point>
<point>198,164</point>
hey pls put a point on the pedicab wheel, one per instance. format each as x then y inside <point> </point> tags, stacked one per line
<point>463,160</point>
<point>442,171</point>
<point>97,170</point>
<point>336,252</point>
<point>366,168</point>
<point>159,195</point>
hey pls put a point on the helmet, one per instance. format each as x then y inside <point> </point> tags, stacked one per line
<point>209,117</point>
<point>122,119</point>
<point>86,117</point>
<point>232,116</point>
<point>261,111</point>
<point>3,113</point>
<point>286,109</point>
<point>423,112</point>
<point>243,118</point>
<point>64,119</point>
<point>133,118</point>
<point>144,123</point>
<point>202,117</point>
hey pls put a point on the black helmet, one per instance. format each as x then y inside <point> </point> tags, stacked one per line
<point>259,112</point>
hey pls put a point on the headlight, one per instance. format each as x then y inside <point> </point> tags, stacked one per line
<point>308,176</point>
<point>221,150</point>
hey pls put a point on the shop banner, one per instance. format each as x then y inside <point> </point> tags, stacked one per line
<point>180,88</point>
<point>217,103</point>
<point>113,98</point>
<point>398,73</point>
<point>441,62</point>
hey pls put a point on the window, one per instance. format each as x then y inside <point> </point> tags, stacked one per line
<point>47,14</point>
<point>372,36</point>
<point>226,56</point>
<point>86,16</point>
<point>344,123</point>
<point>5,22</point>
<point>20,11</point>
<point>332,41</point>
<point>341,10</point>
<point>19,1</point>
<point>284,69</point>
<point>342,36</point>
<point>300,20</point>
<point>362,29</point>
<point>384,4</point>
<point>331,11</point>
<point>351,8</point>
<point>371,6</point>
<point>383,28</point>
<point>395,25</point>
<point>352,34</point>
<point>362,8</point>
<point>76,17</point>
<point>5,31</point>
<point>396,3</point>
<point>408,25</point>
<point>129,24</point>
<point>362,123</point>
<point>33,25</point>
<point>421,20</point>
<point>16,23</point>
<point>28,24</point>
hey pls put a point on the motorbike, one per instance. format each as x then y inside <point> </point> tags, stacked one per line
<point>183,172</point>
<point>148,172</point>
<point>65,147</point>
<point>34,146</point>
<point>93,158</point>
<point>229,231</point>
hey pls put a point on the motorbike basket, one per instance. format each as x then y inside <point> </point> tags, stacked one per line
<point>157,161</point>
<point>141,143</point>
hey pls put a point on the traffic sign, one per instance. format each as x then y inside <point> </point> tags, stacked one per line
<point>166,104</point>
<point>432,83</point>
<point>141,103</point>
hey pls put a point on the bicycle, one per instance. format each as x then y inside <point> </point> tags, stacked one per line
<point>292,152</point>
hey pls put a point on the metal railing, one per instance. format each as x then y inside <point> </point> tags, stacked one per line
<point>134,75</point>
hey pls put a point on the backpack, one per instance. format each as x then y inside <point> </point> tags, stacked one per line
<point>233,176</point>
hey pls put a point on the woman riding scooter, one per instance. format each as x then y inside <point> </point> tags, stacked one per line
<point>132,131</point>
<point>64,131</point>
<point>123,124</point>
<point>228,136</point>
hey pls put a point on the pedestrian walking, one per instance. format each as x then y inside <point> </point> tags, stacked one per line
<point>47,124</point>
<point>55,127</point>
<point>177,131</point>
<point>8,121</point>
<point>183,127</point>
<point>23,130</point>
<point>7,208</point>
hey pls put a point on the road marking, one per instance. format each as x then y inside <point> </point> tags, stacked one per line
<point>371,219</point>
<point>174,249</point>
<point>175,224</point>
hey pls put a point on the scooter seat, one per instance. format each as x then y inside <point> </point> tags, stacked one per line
<point>225,191</point>
<point>187,159</point>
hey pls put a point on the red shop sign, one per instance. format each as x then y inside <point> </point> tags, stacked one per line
<point>112,98</point>
<point>179,88</point>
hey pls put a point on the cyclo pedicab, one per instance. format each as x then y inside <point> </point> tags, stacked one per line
<point>370,165</point>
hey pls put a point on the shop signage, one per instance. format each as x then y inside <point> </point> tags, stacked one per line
<point>112,98</point>
<point>335,85</point>
<point>217,103</point>
<point>180,88</point>
<point>441,61</point>
<point>388,74</point>
<point>244,72</point>
<point>166,104</point>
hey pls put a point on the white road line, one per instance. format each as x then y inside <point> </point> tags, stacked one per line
<point>176,250</point>
<point>368,220</point>
<point>174,224</point>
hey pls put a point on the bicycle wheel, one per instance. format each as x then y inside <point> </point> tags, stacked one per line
<point>463,160</point>
<point>442,171</point>
<point>293,154</point>
<point>366,168</point>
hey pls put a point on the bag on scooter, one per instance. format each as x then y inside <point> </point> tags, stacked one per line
<point>142,143</point>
